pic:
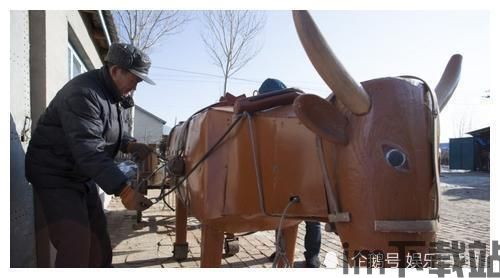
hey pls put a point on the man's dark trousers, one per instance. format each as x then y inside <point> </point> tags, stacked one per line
<point>77,226</point>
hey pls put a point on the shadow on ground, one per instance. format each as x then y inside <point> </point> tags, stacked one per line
<point>467,193</point>
<point>469,185</point>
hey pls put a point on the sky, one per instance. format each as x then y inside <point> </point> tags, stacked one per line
<point>370,44</point>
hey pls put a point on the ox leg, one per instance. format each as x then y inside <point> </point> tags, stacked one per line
<point>289,235</point>
<point>211,246</point>
<point>180,245</point>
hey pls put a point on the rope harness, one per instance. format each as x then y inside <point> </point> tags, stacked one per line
<point>202,159</point>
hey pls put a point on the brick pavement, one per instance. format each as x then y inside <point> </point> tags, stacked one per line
<point>465,211</point>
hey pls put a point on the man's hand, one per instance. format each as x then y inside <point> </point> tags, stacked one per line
<point>138,150</point>
<point>133,200</point>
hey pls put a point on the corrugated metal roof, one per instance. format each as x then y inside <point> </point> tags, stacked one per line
<point>479,131</point>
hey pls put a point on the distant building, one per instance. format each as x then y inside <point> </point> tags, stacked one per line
<point>471,153</point>
<point>148,128</point>
<point>481,148</point>
<point>444,152</point>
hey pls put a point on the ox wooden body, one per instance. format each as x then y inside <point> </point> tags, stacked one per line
<point>364,159</point>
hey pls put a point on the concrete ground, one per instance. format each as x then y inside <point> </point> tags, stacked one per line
<point>464,216</point>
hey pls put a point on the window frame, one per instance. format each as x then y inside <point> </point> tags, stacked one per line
<point>73,54</point>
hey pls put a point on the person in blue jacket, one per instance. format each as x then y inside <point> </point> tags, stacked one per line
<point>312,239</point>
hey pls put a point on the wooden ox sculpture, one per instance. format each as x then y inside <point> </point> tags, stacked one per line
<point>364,159</point>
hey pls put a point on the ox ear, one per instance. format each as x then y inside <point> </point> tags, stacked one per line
<point>449,80</point>
<point>322,118</point>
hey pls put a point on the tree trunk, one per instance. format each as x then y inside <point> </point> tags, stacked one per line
<point>225,86</point>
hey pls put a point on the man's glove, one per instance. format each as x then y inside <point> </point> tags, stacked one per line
<point>138,150</point>
<point>133,200</point>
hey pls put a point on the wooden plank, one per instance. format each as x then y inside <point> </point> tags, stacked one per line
<point>406,226</point>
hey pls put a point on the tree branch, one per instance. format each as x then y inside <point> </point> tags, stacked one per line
<point>146,28</point>
<point>229,38</point>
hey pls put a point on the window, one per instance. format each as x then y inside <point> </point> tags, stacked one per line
<point>75,64</point>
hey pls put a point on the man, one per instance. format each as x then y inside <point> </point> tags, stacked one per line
<point>312,239</point>
<point>72,149</point>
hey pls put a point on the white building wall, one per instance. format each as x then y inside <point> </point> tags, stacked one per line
<point>22,219</point>
<point>76,22</point>
<point>147,129</point>
<point>57,31</point>
<point>38,69</point>
<point>57,39</point>
<point>56,52</point>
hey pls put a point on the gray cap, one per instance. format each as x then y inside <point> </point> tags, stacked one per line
<point>131,58</point>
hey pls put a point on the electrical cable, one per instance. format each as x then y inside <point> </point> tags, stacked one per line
<point>280,244</point>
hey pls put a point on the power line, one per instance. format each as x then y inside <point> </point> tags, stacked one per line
<point>187,71</point>
<point>185,80</point>
<point>205,74</point>
<point>221,77</point>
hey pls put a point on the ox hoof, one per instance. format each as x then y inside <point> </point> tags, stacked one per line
<point>180,251</point>
<point>231,246</point>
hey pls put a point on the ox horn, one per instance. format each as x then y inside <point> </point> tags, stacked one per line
<point>348,91</point>
<point>449,80</point>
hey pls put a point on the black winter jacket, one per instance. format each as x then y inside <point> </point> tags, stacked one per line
<point>78,136</point>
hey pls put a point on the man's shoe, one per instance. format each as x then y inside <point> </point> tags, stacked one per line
<point>313,262</point>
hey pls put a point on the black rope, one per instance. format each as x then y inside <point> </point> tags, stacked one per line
<point>205,156</point>
<point>162,189</point>
<point>167,204</point>
<point>150,175</point>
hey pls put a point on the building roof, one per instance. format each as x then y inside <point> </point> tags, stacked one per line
<point>97,31</point>
<point>444,146</point>
<point>150,114</point>
<point>479,131</point>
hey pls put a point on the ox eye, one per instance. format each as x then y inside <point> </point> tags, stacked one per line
<point>395,158</point>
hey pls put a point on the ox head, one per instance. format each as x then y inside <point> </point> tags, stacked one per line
<point>384,134</point>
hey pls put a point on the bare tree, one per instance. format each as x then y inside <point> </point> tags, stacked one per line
<point>144,29</point>
<point>230,39</point>
<point>463,125</point>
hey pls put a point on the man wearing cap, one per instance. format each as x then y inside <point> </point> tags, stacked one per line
<point>72,150</point>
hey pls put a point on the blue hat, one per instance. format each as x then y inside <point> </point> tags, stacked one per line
<point>270,85</point>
